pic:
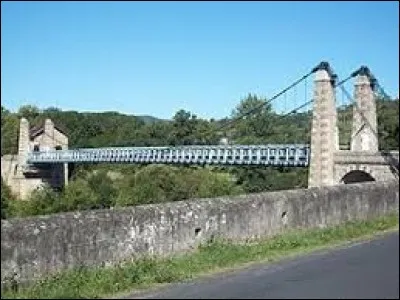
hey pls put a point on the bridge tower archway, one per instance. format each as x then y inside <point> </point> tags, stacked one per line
<point>356,176</point>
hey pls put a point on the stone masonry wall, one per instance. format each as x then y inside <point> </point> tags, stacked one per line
<point>381,166</point>
<point>324,132</point>
<point>35,246</point>
<point>364,135</point>
<point>8,170</point>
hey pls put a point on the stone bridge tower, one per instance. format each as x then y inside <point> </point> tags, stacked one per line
<point>363,162</point>
<point>364,135</point>
<point>324,131</point>
<point>23,179</point>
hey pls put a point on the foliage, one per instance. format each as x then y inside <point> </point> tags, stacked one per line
<point>388,124</point>
<point>6,199</point>
<point>42,201</point>
<point>256,127</point>
<point>29,112</point>
<point>9,132</point>
<point>93,186</point>
<point>153,183</point>
<point>212,184</point>
<point>78,195</point>
<point>104,191</point>
<point>161,183</point>
<point>256,180</point>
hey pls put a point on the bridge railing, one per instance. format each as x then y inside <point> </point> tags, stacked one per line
<point>276,155</point>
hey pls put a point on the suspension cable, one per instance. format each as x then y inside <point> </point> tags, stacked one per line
<point>236,119</point>
<point>266,102</point>
<point>344,80</point>
<point>297,108</point>
<point>322,65</point>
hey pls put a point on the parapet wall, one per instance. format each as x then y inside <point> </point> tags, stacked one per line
<point>35,246</point>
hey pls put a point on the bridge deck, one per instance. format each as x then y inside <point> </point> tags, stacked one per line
<point>295,155</point>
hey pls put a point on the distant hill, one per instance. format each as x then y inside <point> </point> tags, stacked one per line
<point>150,119</point>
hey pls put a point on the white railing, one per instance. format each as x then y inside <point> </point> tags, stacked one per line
<point>287,155</point>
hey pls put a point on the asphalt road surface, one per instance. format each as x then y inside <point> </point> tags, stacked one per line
<point>368,270</point>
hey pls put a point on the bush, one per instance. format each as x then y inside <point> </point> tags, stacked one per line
<point>217,184</point>
<point>42,201</point>
<point>256,180</point>
<point>78,195</point>
<point>151,184</point>
<point>161,183</point>
<point>102,186</point>
<point>6,198</point>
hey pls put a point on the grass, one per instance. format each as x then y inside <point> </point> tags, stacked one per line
<point>96,282</point>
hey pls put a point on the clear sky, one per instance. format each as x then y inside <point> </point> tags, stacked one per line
<point>155,58</point>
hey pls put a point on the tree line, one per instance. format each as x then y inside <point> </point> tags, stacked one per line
<point>104,186</point>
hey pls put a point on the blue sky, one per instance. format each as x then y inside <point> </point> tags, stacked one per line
<point>155,58</point>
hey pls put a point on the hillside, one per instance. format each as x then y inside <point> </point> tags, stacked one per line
<point>116,129</point>
<point>150,119</point>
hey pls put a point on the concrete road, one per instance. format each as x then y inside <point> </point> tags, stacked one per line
<point>362,270</point>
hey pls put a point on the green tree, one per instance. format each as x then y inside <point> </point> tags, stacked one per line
<point>257,126</point>
<point>9,132</point>
<point>30,112</point>
<point>388,124</point>
<point>91,187</point>
<point>184,124</point>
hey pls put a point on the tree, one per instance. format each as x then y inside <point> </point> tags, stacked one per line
<point>30,112</point>
<point>388,124</point>
<point>160,183</point>
<point>254,127</point>
<point>9,132</point>
<point>184,124</point>
<point>52,110</point>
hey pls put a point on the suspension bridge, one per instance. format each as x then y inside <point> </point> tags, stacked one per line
<point>327,162</point>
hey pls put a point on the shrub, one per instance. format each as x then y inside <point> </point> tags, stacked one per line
<point>102,186</point>
<point>41,202</point>
<point>6,198</point>
<point>78,196</point>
